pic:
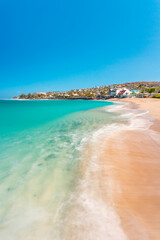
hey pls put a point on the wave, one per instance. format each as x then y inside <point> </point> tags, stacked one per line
<point>90,216</point>
<point>54,191</point>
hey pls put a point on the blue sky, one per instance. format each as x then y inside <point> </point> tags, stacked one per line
<point>67,44</point>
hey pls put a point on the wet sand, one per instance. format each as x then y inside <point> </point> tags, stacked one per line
<point>152,105</point>
<point>118,197</point>
<point>134,160</point>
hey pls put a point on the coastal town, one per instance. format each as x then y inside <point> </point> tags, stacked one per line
<point>125,90</point>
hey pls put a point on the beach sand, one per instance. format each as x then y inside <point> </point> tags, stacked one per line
<point>152,105</point>
<point>118,197</point>
<point>134,160</point>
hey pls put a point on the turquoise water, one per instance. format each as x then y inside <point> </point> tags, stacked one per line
<point>40,161</point>
<point>17,116</point>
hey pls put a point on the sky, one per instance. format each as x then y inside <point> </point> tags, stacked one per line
<point>67,44</point>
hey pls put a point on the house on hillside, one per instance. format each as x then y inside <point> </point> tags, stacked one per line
<point>124,92</point>
<point>41,93</point>
<point>135,92</point>
<point>112,92</point>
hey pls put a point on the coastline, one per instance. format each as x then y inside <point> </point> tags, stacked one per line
<point>150,104</point>
<point>132,157</point>
<point>110,192</point>
<point>118,195</point>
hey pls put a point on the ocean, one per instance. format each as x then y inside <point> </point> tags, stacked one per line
<point>45,168</point>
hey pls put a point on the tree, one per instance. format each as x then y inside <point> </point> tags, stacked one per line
<point>89,95</point>
<point>29,96</point>
<point>23,96</point>
<point>140,86</point>
<point>156,96</point>
<point>151,90</point>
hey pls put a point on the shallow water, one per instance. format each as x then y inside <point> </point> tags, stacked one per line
<point>43,194</point>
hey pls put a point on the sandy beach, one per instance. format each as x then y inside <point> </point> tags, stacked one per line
<point>152,105</point>
<point>134,159</point>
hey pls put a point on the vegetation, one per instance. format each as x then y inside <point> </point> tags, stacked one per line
<point>144,89</point>
<point>23,96</point>
<point>151,90</point>
<point>156,96</point>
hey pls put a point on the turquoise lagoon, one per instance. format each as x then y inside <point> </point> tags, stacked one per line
<point>41,153</point>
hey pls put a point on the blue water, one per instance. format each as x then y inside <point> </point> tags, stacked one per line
<point>17,116</point>
<point>40,160</point>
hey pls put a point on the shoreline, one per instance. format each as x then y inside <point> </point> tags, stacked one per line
<point>150,104</point>
<point>118,193</point>
<point>133,157</point>
<point>94,175</point>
